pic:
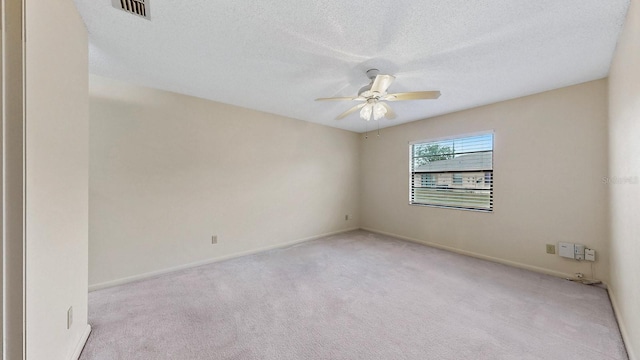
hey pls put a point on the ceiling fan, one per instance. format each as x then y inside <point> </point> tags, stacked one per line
<point>374,95</point>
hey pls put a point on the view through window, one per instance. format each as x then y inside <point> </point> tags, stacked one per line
<point>455,173</point>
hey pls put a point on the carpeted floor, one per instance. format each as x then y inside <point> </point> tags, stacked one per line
<point>356,295</point>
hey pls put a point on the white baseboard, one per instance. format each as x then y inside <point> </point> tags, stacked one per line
<point>476,255</point>
<point>81,343</point>
<point>125,280</point>
<point>621,324</point>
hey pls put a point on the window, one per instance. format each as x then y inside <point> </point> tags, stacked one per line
<point>457,179</point>
<point>428,180</point>
<point>453,173</point>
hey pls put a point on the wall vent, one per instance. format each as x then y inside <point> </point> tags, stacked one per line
<point>136,7</point>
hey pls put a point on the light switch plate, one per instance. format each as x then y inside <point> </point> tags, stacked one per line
<point>589,254</point>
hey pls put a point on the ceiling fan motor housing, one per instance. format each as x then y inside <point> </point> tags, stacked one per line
<point>364,89</point>
<point>371,74</point>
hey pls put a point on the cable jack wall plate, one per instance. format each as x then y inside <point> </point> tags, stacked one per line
<point>589,254</point>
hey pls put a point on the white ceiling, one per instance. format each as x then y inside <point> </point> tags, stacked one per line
<point>278,56</point>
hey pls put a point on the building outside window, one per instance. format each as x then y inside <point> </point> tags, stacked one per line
<point>454,173</point>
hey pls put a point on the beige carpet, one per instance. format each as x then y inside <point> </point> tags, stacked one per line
<point>353,296</point>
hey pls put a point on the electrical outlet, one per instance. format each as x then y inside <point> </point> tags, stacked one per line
<point>214,239</point>
<point>551,249</point>
<point>579,275</point>
<point>70,317</point>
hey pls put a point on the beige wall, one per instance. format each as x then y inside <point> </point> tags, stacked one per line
<point>12,179</point>
<point>56,179</point>
<point>624,170</point>
<point>168,171</point>
<point>550,155</point>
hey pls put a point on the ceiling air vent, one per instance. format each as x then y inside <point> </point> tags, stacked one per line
<point>137,7</point>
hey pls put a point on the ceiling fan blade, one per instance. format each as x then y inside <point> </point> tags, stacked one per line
<point>351,111</point>
<point>390,113</point>
<point>416,95</point>
<point>381,83</point>
<point>341,99</point>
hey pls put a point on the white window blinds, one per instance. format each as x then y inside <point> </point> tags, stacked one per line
<point>454,173</point>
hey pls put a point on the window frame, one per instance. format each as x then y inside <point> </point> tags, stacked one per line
<point>453,137</point>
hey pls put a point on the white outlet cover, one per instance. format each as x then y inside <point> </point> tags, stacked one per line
<point>566,250</point>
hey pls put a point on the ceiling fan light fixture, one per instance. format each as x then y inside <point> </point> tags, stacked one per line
<point>365,112</point>
<point>379,111</point>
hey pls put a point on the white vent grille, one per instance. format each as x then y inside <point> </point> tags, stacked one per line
<point>136,7</point>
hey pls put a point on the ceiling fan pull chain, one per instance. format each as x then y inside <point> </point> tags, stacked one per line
<point>378,128</point>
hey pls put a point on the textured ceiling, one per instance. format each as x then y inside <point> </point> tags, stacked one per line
<point>278,56</point>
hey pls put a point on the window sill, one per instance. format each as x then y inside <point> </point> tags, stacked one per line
<point>453,208</point>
